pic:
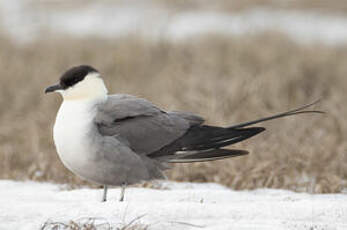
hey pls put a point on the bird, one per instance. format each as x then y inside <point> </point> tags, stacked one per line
<point>120,139</point>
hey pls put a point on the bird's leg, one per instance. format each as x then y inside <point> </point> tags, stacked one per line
<point>104,197</point>
<point>121,199</point>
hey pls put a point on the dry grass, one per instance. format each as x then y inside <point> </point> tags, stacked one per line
<point>226,80</point>
<point>94,224</point>
<point>333,6</point>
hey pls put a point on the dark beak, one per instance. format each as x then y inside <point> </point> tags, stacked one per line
<point>53,88</point>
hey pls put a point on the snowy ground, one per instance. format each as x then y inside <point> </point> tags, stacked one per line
<point>26,21</point>
<point>27,205</point>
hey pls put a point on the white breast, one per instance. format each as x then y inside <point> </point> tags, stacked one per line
<point>73,123</point>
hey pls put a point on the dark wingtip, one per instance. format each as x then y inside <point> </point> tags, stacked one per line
<point>210,155</point>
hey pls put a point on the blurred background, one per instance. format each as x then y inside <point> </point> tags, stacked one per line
<point>228,60</point>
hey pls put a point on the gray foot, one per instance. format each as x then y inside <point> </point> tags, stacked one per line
<point>121,199</point>
<point>104,197</point>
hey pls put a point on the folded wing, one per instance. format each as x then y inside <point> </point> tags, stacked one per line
<point>175,137</point>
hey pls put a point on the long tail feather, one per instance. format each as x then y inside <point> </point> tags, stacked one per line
<point>285,114</point>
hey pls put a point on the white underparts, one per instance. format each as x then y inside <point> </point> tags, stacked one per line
<point>75,120</point>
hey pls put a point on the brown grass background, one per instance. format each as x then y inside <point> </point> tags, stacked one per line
<point>226,80</point>
<point>322,6</point>
<point>332,6</point>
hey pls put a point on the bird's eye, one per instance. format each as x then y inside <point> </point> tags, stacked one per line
<point>75,80</point>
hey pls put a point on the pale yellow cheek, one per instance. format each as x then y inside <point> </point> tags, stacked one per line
<point>91,88</point>
<point>74,97</point>
<point>77,95</point>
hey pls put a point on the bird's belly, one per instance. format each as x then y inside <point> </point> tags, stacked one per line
<point>72,147</point>
<point>81,152</point>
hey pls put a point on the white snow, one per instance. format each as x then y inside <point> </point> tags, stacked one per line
<point>27,205</point>
<point>26,21</point>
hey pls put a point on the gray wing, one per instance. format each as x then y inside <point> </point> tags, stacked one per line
<point>141,125</point>
<point>175,137</point>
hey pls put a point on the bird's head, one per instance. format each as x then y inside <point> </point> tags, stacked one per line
<point>80,83</point>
